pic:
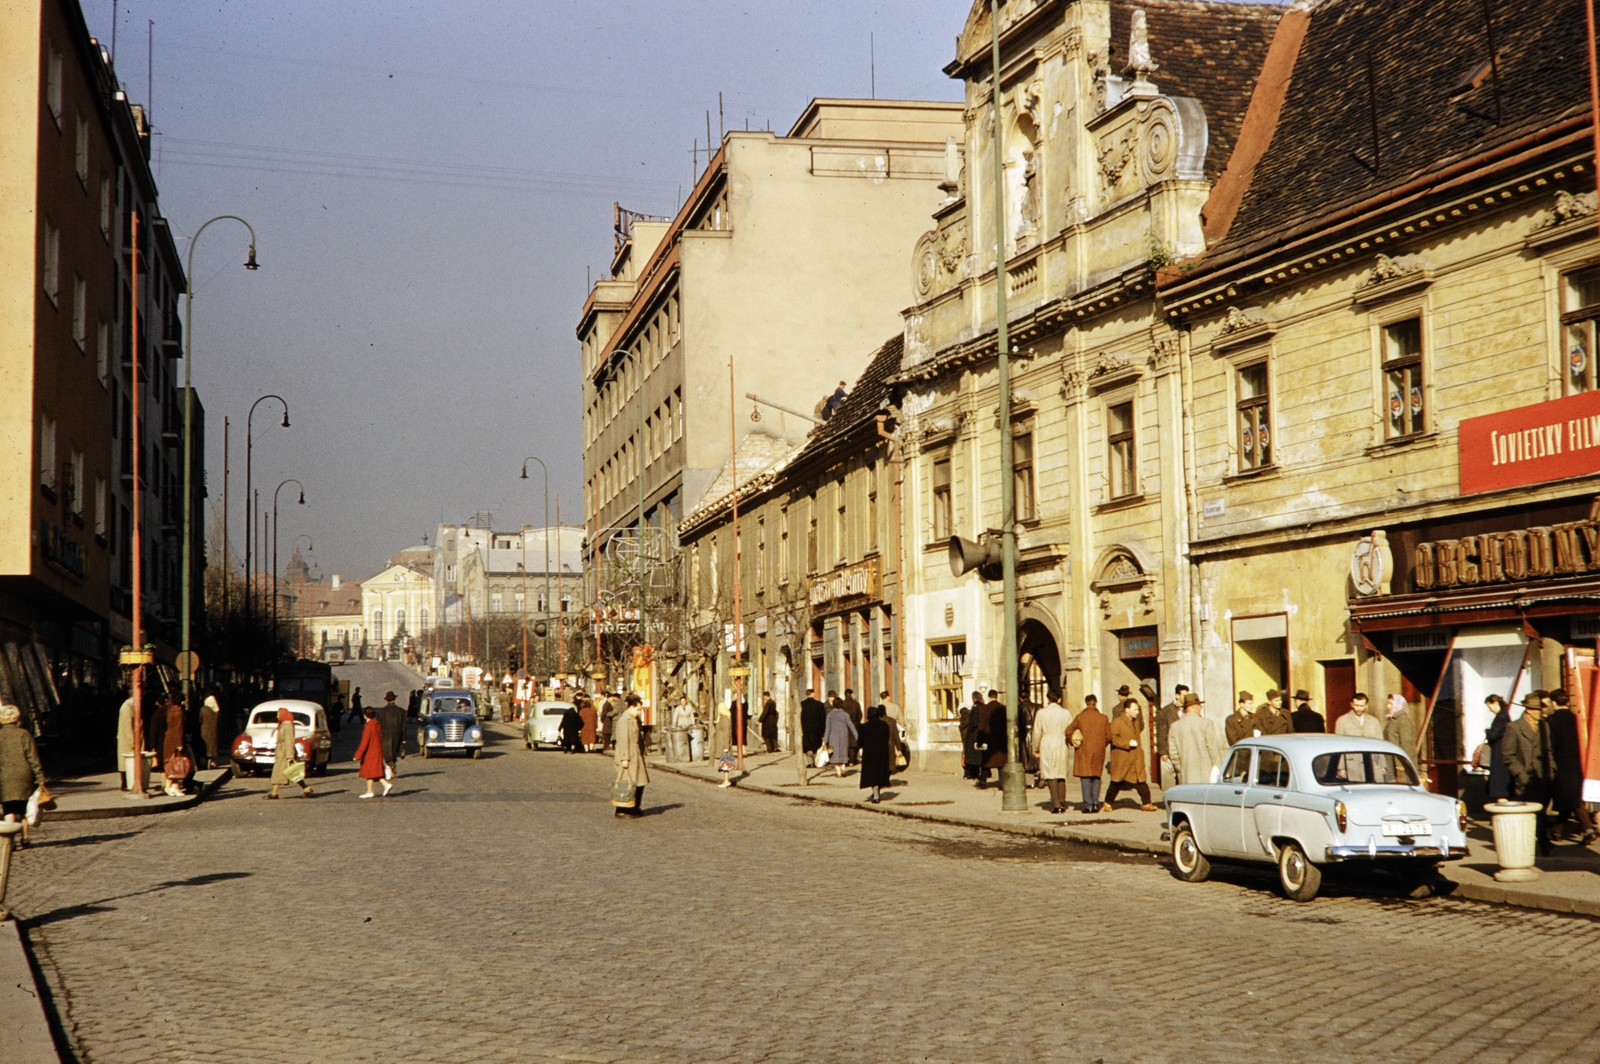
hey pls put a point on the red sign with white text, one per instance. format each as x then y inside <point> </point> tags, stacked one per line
<point>1531,444</point>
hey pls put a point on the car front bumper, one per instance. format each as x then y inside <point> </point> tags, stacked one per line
<point>445,744</point>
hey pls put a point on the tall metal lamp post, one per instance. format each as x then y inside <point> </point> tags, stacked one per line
<point>1013,777</point>
<point>249,496</point>
<point>186,666</point>
<point>302,487</point>
<point>310,546</point>
<point>547,600</point>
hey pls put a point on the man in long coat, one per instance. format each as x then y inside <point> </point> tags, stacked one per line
<point>1270,719</point>
<point>1166,717</point>
<point>992,733</point>
<point>1304,718</point>
<point>1566,765</point>
<point>629,755</point>
<point>1050,746</point>
<point>1127,759</point>
<point>1196,745</point>
<point>971,756</point>
<point>1090,734</point>
<point>813,717</point>
<point>1242,721</point>
<point>392,722</point>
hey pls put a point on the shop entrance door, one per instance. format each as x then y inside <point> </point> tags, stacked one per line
<point>1338,688</point>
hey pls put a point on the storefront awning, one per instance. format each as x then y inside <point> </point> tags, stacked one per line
<point>1389,612</point>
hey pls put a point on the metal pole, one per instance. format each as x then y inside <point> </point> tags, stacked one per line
<point>289,480</point>
<point>227,556</point>
<point>1013,777</point>
<point>546,471</point>
<point>250,499</point>
<point>738,604</point>
<point>188,438</point>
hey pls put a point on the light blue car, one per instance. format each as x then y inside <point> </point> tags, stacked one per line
<point>1307,801</point>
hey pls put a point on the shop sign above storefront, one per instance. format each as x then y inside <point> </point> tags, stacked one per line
<point>848,582</point>
<point>1565,549</point>
<point>1547,441</point>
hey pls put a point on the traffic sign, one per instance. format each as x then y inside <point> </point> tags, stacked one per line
<point>188,664</point>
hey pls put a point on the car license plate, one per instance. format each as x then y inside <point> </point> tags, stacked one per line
<point>1422,828</point>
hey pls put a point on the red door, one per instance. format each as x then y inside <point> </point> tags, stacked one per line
<point>1338,688</point>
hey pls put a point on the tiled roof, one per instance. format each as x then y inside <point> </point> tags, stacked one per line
<point>1424,57</point>
<point>865,399</point>
<point>1210,51</point>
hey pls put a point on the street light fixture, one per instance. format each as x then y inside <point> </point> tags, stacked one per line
<point>280,487</point>
<point>249,497</point>
<point>188,440</point>
<point>547,600</point>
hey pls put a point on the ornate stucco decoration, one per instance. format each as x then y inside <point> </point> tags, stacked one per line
<point>925,266</point>
<point>1115,153</point>
<point>1120,570</point>
<point>953,249</point>
<point>1569,207</point>
<point>1240,319</point>
<point>1241,327</point>
<point>1392,276</point>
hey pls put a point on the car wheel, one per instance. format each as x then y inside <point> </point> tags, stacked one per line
<point>1419,883</point>
<point>527,744</point>
<point>1299,877</point>
<point>1190,863</point>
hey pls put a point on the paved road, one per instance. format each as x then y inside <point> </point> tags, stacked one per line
<point>494,910</point>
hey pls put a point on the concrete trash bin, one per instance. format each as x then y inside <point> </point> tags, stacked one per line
<point>697,743</point>
<point>677,744</point>
<point>1516,826</point>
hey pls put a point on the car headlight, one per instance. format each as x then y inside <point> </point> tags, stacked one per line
<point>475,735</point>
<point>433,733</point>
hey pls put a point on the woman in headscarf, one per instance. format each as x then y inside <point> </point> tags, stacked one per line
<point>630,756</point>
<point>20,771</point>
<point>285,755</point>
<point>837,735</point>
<point>172,745</point>
<point>874,738</point>
<point>370,754</point>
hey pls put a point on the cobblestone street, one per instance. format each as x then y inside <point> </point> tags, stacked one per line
<point>495,910</point>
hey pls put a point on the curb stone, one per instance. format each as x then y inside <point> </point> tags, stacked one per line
<point>134,808</point>
<point>24,1029</point>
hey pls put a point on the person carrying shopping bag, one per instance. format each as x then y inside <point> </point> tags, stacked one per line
<point>286,764</point>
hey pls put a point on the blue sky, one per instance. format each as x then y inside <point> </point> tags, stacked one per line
<point>429,183</point>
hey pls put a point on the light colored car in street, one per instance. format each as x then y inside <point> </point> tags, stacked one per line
<point>1307,802</point>
<point>253,751</point>
<point>543,727</point>
<point>450,724</point>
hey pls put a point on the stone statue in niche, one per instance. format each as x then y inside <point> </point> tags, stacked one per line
<point>1027,201</point>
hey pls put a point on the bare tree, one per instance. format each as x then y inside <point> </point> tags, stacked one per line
<point>788,608</point>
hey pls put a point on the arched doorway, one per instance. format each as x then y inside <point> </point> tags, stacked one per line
<point>1038,663</point>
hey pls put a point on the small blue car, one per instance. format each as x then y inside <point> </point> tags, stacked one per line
<point>450,724</point>
<point>1308,801</point>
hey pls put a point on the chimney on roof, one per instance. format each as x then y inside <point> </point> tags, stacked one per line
<point>335,582</point>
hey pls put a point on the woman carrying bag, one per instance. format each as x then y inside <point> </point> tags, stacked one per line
<point>627,793</point>
<point>20,772</point>
<point>286,764</point>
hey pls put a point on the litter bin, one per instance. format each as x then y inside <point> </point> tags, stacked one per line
<point>1516,840</point>
<point>697,743</point>
<point>676,743</point>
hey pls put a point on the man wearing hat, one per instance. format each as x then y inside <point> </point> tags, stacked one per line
<point>1242,721</point>
<point>392,721</point>
<point>1304,718</point>
<point>1166,717</point>
<point>1195,745</point>
<point>1526,749</point>
<point>1270,719</point>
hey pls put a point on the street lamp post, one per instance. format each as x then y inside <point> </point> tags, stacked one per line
<point>525,462</point>
<point>302,487</point>
<point>249,496</point>
<point>188,440</point>
<point>1013,777</point>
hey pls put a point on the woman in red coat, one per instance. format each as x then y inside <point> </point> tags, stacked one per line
<point>370,753</point>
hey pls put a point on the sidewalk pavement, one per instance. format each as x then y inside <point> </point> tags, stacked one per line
<point>1570,883</point>
<point>24,1031</point>
<point>100,797</point>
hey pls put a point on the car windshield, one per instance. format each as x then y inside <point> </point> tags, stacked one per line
<point>1366,766</point>
<point>452,705</point>
<point>270,716</point>
<point>555,711</point>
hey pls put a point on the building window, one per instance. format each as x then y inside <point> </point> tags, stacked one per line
<point>47,453</point>
<point>74,485</point>
<point>694,577</point>
<point>1402,371</point>
<point>811,538</point>
<point>102,354</point>
<point>105,207</point>
<point>100,508</point>
<point>399,622</point>
<point>943,514</point>
<point>1120,450</point>
<point>714,565</point>
<point>566,601</point>
<point>80,156</point>
<point>52,84</point>
<point>872,507</point>
<point>422,620</point>
<point>761,555</point>
<point>521,601</point>
<point>377,626</point>
<point>945,662</point>
<point>1022,476</point>
<point>783,545</point>
<point>496,603</point>
<point>841,526</point>
<point>1580,308</point>
<point>80,313</point>
<point>1255,410</point>
<point>52,262</point>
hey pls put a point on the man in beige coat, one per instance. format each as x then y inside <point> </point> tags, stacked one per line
<point>1359,721</point>
<point>630,756</point>
<point>1195,745</point>
<point>1049,742</point>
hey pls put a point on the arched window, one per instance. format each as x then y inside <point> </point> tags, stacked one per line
<point>399,622</point>
<point>377,625</point>
<point>422,620</point>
